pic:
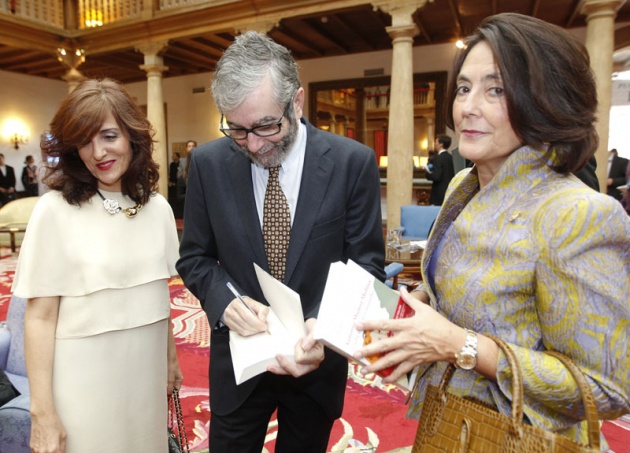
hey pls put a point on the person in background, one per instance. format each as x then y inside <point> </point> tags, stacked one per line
<point>587,174</point>
<point>518,246</point>
<point>616,174</point>
<point>190,145</point>
<point>442,170</point>
<point>173,169</point>
<point>626,195</point>
<point>29,177</point>
<point>173,172</point>
<point>330,187</point>
<point>7,182</point>
<point>94,266</point>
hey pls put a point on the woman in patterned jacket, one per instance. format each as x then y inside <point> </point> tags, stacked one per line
<point>521,249</point>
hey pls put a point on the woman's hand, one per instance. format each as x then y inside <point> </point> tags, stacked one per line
<point>425,337</point>
<point>174,376</point>
<point>47,434</point>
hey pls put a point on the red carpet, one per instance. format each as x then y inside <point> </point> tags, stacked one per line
<point>373,413</point>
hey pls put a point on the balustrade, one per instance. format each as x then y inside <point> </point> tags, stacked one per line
<point>94,13</point>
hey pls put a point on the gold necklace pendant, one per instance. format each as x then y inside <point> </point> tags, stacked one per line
<point>131,212</point>
<point>113,207</point>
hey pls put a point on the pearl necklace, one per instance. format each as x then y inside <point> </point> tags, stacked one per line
<point>113,207</point>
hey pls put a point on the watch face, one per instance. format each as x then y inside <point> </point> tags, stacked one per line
<point>466,361</point>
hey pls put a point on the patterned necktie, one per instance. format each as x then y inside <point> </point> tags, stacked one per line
<point>276,225</point>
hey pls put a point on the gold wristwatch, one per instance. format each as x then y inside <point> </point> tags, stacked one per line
<point>466,358</point>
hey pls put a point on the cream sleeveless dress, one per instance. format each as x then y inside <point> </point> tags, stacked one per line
<point>110,367</point>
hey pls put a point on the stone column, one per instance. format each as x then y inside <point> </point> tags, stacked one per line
<point>600,36</point>
<point>400,135</point>
<point>154,67</point>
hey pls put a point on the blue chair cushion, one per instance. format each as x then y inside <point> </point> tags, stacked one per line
<point>15,425</point>
<point>417,221</point>
<point>15,323</point>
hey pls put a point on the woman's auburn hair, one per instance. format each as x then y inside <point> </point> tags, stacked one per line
<point>75,123</point>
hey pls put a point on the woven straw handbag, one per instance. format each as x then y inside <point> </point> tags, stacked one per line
<point>451,423</point>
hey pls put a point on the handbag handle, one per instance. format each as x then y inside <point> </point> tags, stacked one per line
<point>516,417</point>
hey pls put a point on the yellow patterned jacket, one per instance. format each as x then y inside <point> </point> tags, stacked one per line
<point>543,262</point>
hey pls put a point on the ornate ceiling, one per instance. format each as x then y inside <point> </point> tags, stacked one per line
<point>198,34</point>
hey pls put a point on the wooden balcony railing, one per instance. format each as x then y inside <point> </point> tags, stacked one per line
<point>96,13</point>
<point>48,12</point>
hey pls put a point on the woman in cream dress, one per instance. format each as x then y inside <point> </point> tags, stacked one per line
<point>94,265</point>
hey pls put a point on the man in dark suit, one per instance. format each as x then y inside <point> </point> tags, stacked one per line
<point>616,174</point>
<point>442,170</point>
<point>7,182</point>
<point>331,185</point>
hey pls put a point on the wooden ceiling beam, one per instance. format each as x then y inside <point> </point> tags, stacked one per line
<point>205,48</point>
<point>457,20</point>
<point>417,18</point>
<point>577,4</point>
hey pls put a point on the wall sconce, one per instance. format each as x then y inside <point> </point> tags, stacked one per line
<point>382,161</point>
<point>18,140</point>
<point>16,133</point>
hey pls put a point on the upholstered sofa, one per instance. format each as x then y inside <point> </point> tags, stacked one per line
<point>16,212</point>
<point>15,419</point>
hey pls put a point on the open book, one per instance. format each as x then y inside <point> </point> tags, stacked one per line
<point>353,294</point>
<point>251,355</point>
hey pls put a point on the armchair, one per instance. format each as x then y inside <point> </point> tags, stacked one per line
<point>16,212</point>
<point>15,418</point>
<point>416,221</point>
<point>391,274</point>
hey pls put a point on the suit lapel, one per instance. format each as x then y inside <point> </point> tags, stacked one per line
<point>316,176</point>
<point>242,190</point>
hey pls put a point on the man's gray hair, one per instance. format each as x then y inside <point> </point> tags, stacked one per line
<point>245,64</point>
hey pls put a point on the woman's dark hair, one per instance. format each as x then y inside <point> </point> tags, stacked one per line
<point>549,87</point>
<point>77,120</point>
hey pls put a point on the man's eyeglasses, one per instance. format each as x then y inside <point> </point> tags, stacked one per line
<point>265,130</point>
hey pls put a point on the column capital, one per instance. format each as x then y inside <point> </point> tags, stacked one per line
<point>402,32</point>
<point>400,10</point>
<point>73,77</point>
<point>71,58</point>
<point>262,26</point>
<point>153,69</point>
<point>152,50</point>
<point>599,8</point>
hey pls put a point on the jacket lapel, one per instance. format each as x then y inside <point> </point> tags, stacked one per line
<point>316,176</point>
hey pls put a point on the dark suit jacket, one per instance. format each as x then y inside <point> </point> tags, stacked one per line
<point>8,180</point>
<point>618,174</point>
<point>441,175</point>
<point>172,172</point>
<point>338,216</point>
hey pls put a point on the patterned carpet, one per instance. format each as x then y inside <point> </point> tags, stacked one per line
<point>373,417</point>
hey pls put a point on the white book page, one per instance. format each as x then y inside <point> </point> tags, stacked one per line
<point>251,355</point>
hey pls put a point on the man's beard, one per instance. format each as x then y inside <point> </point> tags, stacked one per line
<point>272,154</point>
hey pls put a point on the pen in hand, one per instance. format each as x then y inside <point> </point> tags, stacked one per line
<point>239,297</point>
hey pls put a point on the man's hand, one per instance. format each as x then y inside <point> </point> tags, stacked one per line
<point>241,320</point>
<point>308,355</point>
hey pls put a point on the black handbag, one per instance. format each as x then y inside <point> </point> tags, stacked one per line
<point>177,441</point>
